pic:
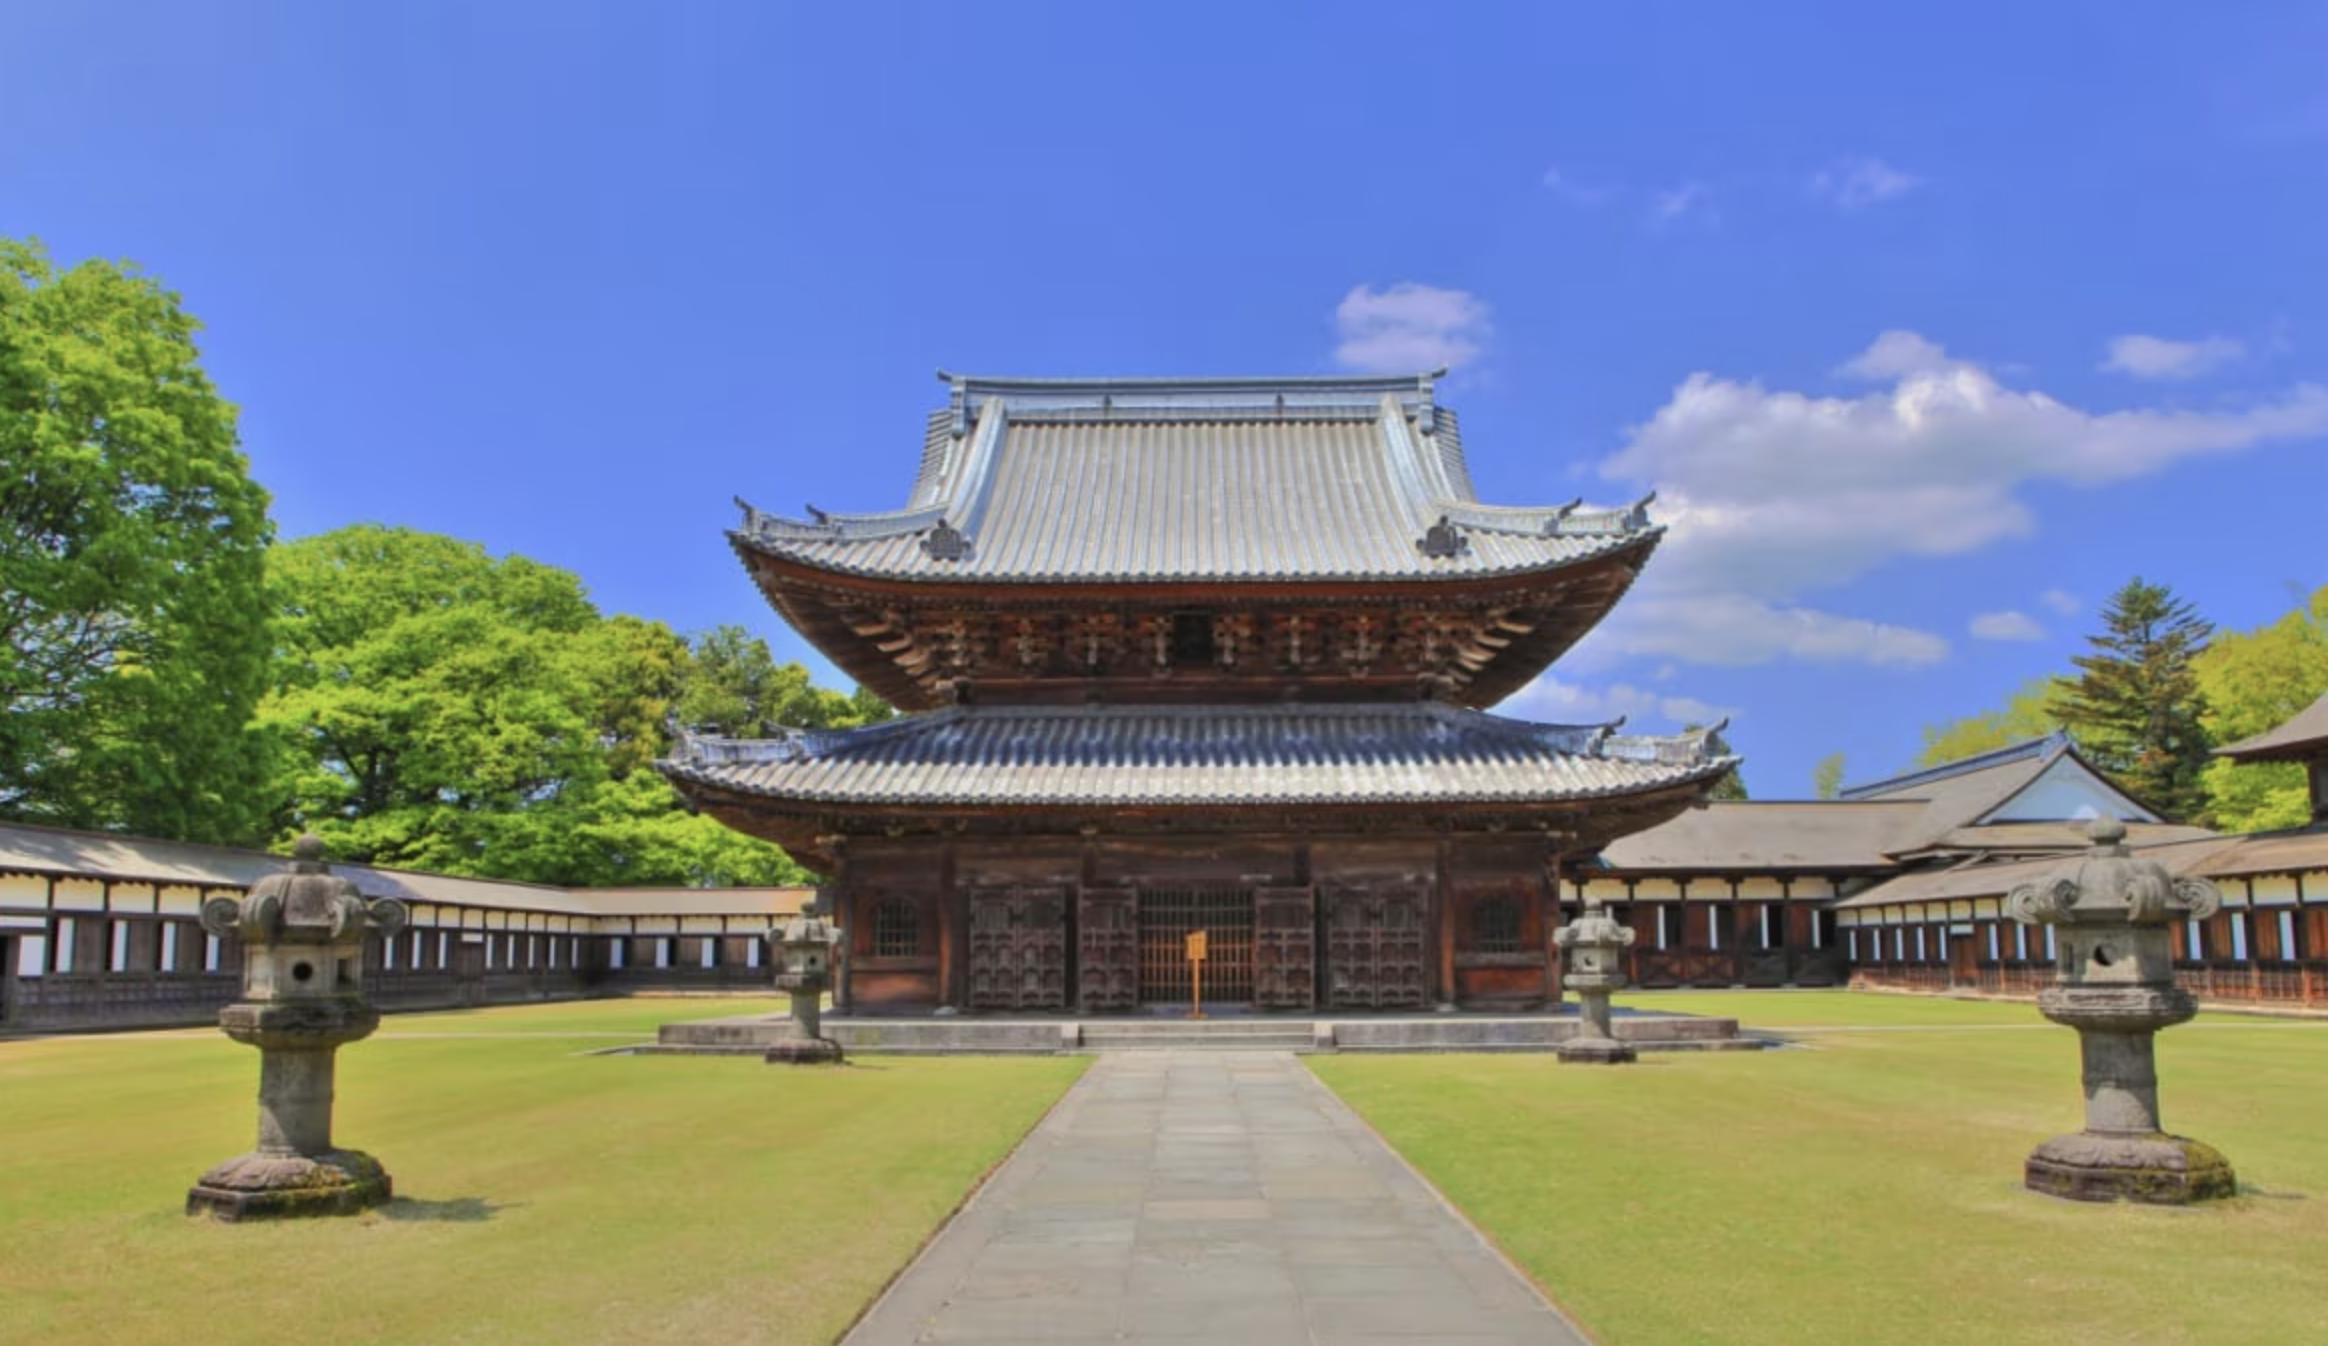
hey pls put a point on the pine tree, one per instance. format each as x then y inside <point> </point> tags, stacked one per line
<point>2135,705</point>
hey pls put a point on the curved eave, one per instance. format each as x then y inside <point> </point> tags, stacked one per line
<point>805,592</point>
<point>689,779</point>
<point>830,559</point>
<point>806,828</point>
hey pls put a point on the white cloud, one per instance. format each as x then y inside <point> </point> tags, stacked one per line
<point>2007,625</point>
<point>1550,699</point>
<point>2061,601</point>
<point>2149,357</point>
<point>1691,200</point>
<point>1712,627</point>
<point>1408,327</point>
<point>1854,184</point>
<point>1896,354</point>
<point>1583,194</point>
<point>1772,495</point>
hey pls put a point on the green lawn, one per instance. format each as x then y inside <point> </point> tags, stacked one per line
<point>1865,1187</point>
<point>544,1195</point>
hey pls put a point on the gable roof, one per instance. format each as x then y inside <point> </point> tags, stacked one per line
<point>1203,480</point>
<point>1959,797</point>
<point>2303,736</point>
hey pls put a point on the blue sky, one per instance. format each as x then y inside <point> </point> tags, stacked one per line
<point>1931,326</point>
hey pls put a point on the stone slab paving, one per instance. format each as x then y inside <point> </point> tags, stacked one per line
<point>1223,1198</point>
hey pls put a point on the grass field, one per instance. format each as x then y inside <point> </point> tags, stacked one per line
<point>544,1196</point>
<point>1865,1187</point>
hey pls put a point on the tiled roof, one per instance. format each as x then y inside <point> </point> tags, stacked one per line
<point>1235,480</point>
<point>1113,756</point>
<point>2303,736</point>
<point>1726,835</point>
<point>29,849</point>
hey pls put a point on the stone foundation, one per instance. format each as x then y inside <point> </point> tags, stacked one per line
<point>2156,1170</point>
<point>284,1186</point>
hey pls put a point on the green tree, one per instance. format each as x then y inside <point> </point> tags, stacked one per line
<point>132,552</point>
<point>2027,714</point>
<point>438,708</point>
<point>733,685</point>
<point>2136,706</point>
<point>1827,777</point>
<point>426,693</point>
<point>2252,681</point>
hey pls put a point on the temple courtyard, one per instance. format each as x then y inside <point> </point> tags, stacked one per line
<point>1860,1184</point>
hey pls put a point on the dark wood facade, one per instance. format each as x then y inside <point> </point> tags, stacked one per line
<point>1310,921</point>
<point>1196,656</point>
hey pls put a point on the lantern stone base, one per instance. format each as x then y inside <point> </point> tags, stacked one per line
<point>1596,1052</point>
<point>285,1186</point>
<point>2157,1169</point>
<point>804,1052</point>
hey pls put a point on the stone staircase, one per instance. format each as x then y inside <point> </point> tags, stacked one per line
<point>1215,1035</point>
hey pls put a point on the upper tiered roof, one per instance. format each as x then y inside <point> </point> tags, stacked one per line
<point>1074,481</point>
<point>1073,540</point>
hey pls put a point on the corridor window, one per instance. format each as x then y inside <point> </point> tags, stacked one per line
<point>896,930</point>
<point>1495,926</point>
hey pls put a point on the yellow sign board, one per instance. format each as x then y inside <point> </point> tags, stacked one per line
<point>1196,946</point>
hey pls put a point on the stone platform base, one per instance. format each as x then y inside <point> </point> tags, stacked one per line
<point>1596,1052</point>
<point>284,1186</point>
<point>1047,1035</point>
<point>803,1052</point>
<point>2157,1170</point>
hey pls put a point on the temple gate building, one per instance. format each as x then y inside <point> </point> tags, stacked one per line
<point>1196,655</point>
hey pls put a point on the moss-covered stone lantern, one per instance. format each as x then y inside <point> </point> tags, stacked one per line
<point>803,951</point>
<point>1595,947</point>
<point>302,935</point>
<point>2114,984</point>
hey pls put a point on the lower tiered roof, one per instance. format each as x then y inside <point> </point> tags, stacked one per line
<point>1418,753</point>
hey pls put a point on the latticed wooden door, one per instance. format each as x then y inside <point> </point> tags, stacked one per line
<point>1285,937</point>
<point>1374,948</point>
<point>1018,949</point>
<point>1107,974</point>
<point>1168,916</point>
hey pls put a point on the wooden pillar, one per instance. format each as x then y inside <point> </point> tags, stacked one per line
<point>1443,897</point>
<point>951,932</point>
<point>1548,908</point>
<point>843,915</point>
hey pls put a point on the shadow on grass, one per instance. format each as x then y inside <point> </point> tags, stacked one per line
<point>459,1210</point>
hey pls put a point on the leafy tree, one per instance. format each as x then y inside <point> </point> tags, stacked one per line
<point>2136,707</point>
<point>1827,777</point>
<point>2252,681</point>
<point>426,692</point>
<point>132,550</point>
<point>2027,714</point>
<point>441,709</point>
<point>734,686</point>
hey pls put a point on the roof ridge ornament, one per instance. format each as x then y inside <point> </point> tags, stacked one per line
<point>945,542</point>
<point>1443,539</point>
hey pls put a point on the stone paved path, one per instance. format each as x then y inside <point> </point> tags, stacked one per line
<point>1204,1196</point>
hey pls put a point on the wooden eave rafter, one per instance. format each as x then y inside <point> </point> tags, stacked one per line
<point>1579,827</point>
<point>1539,615</point>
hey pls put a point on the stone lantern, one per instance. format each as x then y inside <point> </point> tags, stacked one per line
<point>2114,984</point>
<point>1595,945</point>
<point>303,996</point>
<point>803,949</point>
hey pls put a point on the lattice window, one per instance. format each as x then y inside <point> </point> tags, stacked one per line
<point>1495,926</point>
<point>896,929</point>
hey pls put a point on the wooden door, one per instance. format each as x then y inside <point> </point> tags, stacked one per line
<point>1285,948</point>
<point>1107,971</point>
<point>1018,949</point>
<point>1374,948</point>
